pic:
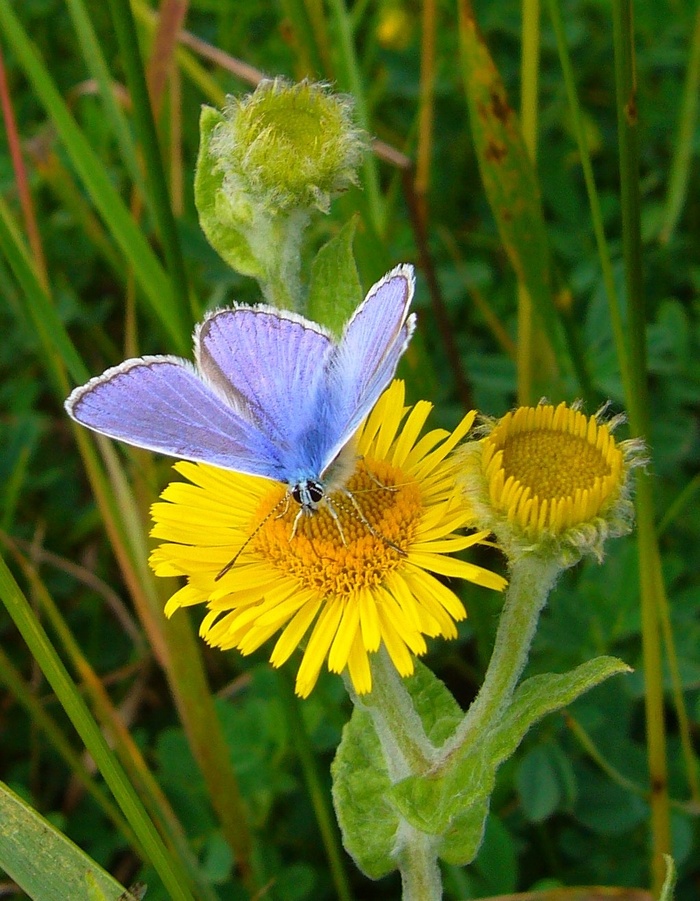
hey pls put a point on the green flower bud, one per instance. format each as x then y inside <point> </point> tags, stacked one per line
<point>266,163</point>
<point>289,146</point>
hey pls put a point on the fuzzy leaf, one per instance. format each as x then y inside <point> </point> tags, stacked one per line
<point>455,804</point>
<point>360,796</point>
<point>361,784</point>
<point>222,220</point>
<point>335,290</point>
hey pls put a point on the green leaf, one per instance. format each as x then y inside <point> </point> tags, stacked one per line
<point>463,837</point>
<point>42,861</point>
<point>454,803</point>
<point>361,784</point>
<point>334,289</point>
<point>538,785</point>
<point>361,787</point>
<point>221,221</point>
<point>540,695</point>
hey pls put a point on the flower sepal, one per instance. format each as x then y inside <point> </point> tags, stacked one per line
<point>225,217</point>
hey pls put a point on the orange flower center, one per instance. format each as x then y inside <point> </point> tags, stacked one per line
<point>351,541</point>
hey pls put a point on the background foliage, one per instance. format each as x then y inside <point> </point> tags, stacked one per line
<point>100,280</point>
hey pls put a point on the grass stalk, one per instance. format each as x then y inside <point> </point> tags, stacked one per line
<point>638,408</point>
<point>350,80</point>
<point>167,867</point>
<point>679,174</point>
<point>21,180</point>
<point>592,192</point>
<point>318,793</point>
<point>153,281</point>
<point>34,708</point>
<point>130,756</point>
<point>527,350</point>
<point>173,643</point>
<point>426,108</point>
<point>145,125</point>
<point>89,45</point>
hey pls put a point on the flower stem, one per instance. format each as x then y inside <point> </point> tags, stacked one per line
<point>421,879</point>
<point>407,752</point>
<point>407,749</point>
<point>532,578</point>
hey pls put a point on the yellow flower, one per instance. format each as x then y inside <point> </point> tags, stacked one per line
<point>551,478</point>
<point>357,574</point>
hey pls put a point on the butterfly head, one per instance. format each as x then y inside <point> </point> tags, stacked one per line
<point>308,493</point>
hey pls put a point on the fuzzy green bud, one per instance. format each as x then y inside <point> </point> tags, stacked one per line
<point>289,146</point>
<point>266,164</point>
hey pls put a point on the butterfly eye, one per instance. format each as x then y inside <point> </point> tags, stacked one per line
<point>316,491</point>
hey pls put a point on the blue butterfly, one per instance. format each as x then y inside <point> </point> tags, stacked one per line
<point>272,394</point>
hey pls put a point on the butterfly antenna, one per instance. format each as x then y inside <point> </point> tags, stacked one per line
<point>252,535</point>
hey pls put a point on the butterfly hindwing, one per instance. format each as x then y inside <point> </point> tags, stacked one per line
<point>161,404</point>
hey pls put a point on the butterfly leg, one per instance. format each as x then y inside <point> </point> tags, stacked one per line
<point>334,513</point>
<point>378,482</point>
<point>301,512</point>
<point>367,524</point>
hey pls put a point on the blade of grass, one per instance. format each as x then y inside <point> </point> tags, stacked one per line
<point>679,174</point>
<point>621,348</point>
<point>511,188</point>
<point>350,80</point>
<point>42,861</point>
<point>26,697</point>
<point>173,642</point>
<point>20,171</point>
<point>308,62</point>
<point>41,310</point>
<point>62,184</point>
<point>592,192</point>
<point>638,408</point>
<point>89,46</point>
<point>318,793</point>
<point>171,16</point>
<point>145,125</point>
<point>494,324</point>
<point>130,756</point>
<point>151,276</point>
<point>176,168</point>
<point>167,867</point>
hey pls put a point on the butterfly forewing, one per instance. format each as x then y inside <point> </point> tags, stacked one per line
<point>273,396</point>
<point>161,404</point>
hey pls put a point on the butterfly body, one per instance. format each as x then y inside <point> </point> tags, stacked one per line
<point>272,394</point>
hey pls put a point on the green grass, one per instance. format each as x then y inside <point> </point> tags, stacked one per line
<point>590,290</point>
